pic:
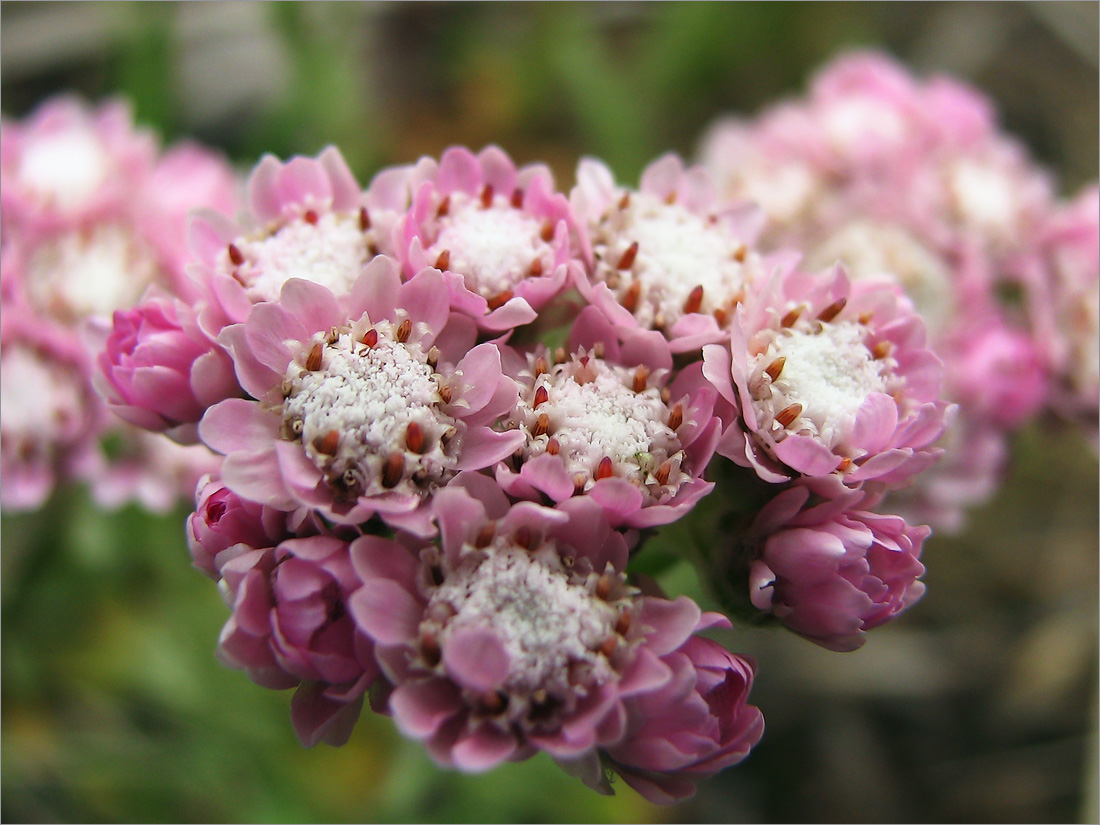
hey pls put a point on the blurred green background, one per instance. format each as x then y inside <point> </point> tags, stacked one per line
<point>978,705</point>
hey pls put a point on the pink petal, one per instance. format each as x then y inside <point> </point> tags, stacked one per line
<point>476,659</point>
<point>386,611</point>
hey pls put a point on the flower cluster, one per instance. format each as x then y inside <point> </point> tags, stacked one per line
<point>446,411</point>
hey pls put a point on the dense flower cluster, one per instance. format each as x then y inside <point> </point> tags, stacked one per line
<point>446,410</point>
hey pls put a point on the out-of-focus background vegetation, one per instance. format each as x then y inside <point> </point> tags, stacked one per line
<point>978,705</point>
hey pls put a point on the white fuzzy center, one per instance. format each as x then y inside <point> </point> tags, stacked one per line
<point>984,196</point>
<point>65,168</point>
<point>39,405</point>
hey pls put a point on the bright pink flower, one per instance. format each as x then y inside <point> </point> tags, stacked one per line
<point>828,570</point>
<point>520,634</point>
<point>604,422</point>
<point>360,406</point>
<point>822,377</point>
<point>504,238</point>
<point>667,256</point>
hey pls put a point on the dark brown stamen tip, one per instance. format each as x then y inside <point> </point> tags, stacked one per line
<point>548,230</point>
<point>523,537</point>
<point>832,310</point>
<point>328,443</point>
<point>788,414</point>
<point>540,366</point>
<point>559,355</point>
<point>670,198</point>
<point>622,625</point>
<point>542,425</point>
<point>313,360</point>
<point>487,196</point>
<point>517,198</point>
<point>776,367</point>
<point>404,329</point>
<point>865,317</point>
<point>494,702</point>
<point>414,437</point>
<point>579,480</point>
<point>235,255</point>
<point>663,472</point>
<point>584,360</point>
<point>436,574</point>
<point>541,396</point>
<point>844,464</point>
<point>433,357</point>
<point>553,447</point>
<point>598,349</point>
<point>500,299</point>
<point>370,338</point>
<point>535,270</point>
<point>694,300</point>
<point>603,587</point>
<point>881,350</point>
<point>676,417</point>
<point>792,316</point>
<point>641,378</point>
<point>630,298</point>
<point>444,207</point>
<point>606,469</point>
<point>372,248</point>
<point>740,254</point>
<point>446,393</point>
<point>430,650</point>
<point>624,201</point>
<point>393,470</point>
<point>666,395</point>
<point>310,217</point>
<point>722,316</point>
<point>627,259</point>
<point>609,645</point>
<point>444,260</point>
<point>364,219</point>
<point>485,535</point>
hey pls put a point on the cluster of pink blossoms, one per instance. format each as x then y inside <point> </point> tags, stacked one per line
<point>911,180</point>
<point>447,410</point>
<point>94,217</point>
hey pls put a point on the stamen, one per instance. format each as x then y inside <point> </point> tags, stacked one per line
<point>630,299</point>
<point>235,255</point>
<point>622,625</point>
<point>444,207</point>
<point>609,645</point>
<point>517,198</point>
<point>328,444</point>
<point>788,414</point>
<point>541,396</point>
<point>535,269</point>
<point>414,437</point>
<point>881,350</point>
<point>393,470</point>
<point>789,319</point>
<point>313,360</point>
<point>740,254</point>
<point>540,366</point>
<point>542,425</point>
<point>603,587</point>
<point>775,368</point>
<point>485,535</point>
<point>404,329</point>
<point>606,468</point>
<point>445,393</point>
<point>547,233</point>
<point>364,218</point>
<point>676,417</point>
<point>500,299</point>
<point>624,201</point>
<point>844,464</point>
<point>627,259</point>
<point>553,447</point>
<point>430,649</point>
<point>370,338</point>
<point>444,260</point>
<point>832,310</point>
<point>433,357</point>
<point>666,395</point>
<point>494,702</point>
<point>487,196</point>
<point>721,316</point>
<point>663,472</point>
<point>579,480</point>
<point>641,378</point>
<point>694,300</point>
<point>559,355</point>
<point>310,217</point>
<point>523,537</point>
<point>670,198</point>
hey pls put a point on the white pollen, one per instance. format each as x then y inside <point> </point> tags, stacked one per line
<point>830,373</point>
<point>546,621</point>
<point>493,248</point>
<point>984,196</point>
<point>370,396</point>
<point>90,273</point>
<point>65,168</point>
<point>677,251</point>
<point>38,402</point>
<point>331,253</point>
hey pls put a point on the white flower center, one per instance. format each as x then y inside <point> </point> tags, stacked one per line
<point>65,168</point>
<point>39,404</point>
<point>829,373</point>
<point>493,249</point>
<point>83,274</point>
<point>984,196</point>
<point>368,416</point>
<point>592,413</point>
<point>547,620</point>
<point>849,123</point>
<point>677,251</point>
<point>330,252</point>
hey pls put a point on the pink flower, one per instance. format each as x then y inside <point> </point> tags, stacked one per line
<point>829,571</point>
<point>504,239</point>
<point>822,377</point>
<point>668,256</point>
<point>360,406</point>
<point>159,371</point>
<point>520,634</point>
<point>604,422</point>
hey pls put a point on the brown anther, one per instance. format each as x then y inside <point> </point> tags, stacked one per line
<point>540,366</point>
<point>435,572</point>
<point>832,310</point>
<point>606,468</point>
<point>722,316</point>
<point>493,702</point>
<point>364,219</point>
<point>443,260</point>
<point>485,535</point>
<point>445,392</point>
<point>370,338</point>
<point>740,254</point>
<point>666,395</point>
<point>603,587</point>
<point>670,198</point>
<point>663,472</point>
<point>865,317</point>
<point>430,650</point>
<point>433,357</point>
<point>559,355</point>
<point>444,207</point>
<point>542,425</point>
<point>627,259</point>
<point>517,198</point>
<point>535,270</point>
<point>541,396</point>
<point>547,233</point>
<point>448,434</point>
<point>776,367</point>
<point>328,443</point>
<point>414,437</point>
<point>235,256</point>
<point>313,360</point>
<point>609,645</point>
<point>487,196</point>
<point>372,248</point>
<point>788,414</point>
<point>404,329</point>
<point>598,349</point>
<point>630,299</point>
<point>694,300</point>
<point>659,321</point>
<point>310,217</point>
<point>792,316</point>
<point>624,201</point>
<point>553,447</point>
<point>579,481</point>
<point>584,360</point>
<point>881,350</point>
<point>641,378</point>
<point>393,469</point>
<point>676,417</point>
<point>523,537</point>
<point>500,299</point>
<point>844,464</point>
<point>622,626</point>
